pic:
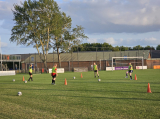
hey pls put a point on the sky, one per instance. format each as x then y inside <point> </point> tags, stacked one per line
<point>117,22</point>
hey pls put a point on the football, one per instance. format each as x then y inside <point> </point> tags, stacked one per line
<point>25,81</point>
<point>19,93</point>
<point>13,80</point>
<point>74,77</point>
<point>99,80</point>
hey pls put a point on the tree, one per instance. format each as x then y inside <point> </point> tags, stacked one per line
<point>41,24</point>
<point>93,47</point>
<point>122,48</point>
<point>138,47</point>
<point>35,24</point>
<point>116,48</point>
<point>68,39</point>
<point>130,48</point>
<point>106,46</point>
<point>158,47</point>
<point>149,48</point>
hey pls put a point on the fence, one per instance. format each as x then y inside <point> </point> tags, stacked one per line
<point>77,59</point>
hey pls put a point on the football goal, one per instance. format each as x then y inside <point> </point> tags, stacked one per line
<point>122,62</point>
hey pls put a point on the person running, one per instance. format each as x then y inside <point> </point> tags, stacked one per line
<point>130,71</point>
<point>54,74</point>
<point>95,70</point>
<point>30,72</point>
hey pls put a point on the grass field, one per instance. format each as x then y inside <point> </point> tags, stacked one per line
<point>83,98</point>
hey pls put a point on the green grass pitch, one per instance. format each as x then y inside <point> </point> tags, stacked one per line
<point>83,98</point>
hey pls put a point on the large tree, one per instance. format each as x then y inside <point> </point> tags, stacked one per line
<point>67,39</point>
<point>43,25</point>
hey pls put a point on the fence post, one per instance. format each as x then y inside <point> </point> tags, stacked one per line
<point>72,58</point>
<point>13,65</point>
<point>69,65</point>
<point>29,61</point>
<point>92,63</point>
<point>46,63</point>
<point>142,63</point>
<point>19,66</point>
<point>26,67</point>
<point>151,59</point>
<point>112,63</point>
<point>53,56</point>
<point>35,63</point>
<point>96,55</point>
<point>100,64</point>
<point>77,57</point>
<point>41,62</point>
<point>103,57</point>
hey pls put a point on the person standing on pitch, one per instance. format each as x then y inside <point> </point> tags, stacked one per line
<point>95,70</point>
<point>30,72</point>
<point>54,74</point>
<point>130,71</point>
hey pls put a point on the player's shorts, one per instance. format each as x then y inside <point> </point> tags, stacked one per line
<point>95,70</point>
<point>30,73</point>
<point>54,76</point>
<point>130,71</point>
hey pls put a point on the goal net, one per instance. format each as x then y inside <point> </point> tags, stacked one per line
<point>123,62</point>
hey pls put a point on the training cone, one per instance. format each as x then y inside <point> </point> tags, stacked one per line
<point>81,75</point>
<point>65,82</point>
<point>149,90</point>
<point>23,79</point>
<point>135,78</point>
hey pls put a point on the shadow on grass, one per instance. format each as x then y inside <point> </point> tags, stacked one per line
<point>107,91</point>
<point>96,97</point>
<point>10,94</point>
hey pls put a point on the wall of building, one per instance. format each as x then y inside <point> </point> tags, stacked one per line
<point>151,62</point>
<point>68,66</point>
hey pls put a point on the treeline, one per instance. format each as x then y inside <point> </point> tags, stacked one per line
<point>108,47</point>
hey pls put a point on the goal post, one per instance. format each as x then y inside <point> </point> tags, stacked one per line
<point>128,60</point>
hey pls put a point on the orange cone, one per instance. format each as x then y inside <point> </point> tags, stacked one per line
<point>149,90</point>
<point>65,82</point>
<point>23,79</point>
<point>81,75</point>
<point>135,78</point>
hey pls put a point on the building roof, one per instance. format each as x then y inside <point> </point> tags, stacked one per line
<point>155,53</point>
<point>89,56</point>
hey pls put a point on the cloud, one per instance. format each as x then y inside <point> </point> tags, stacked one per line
<point>110,41</point>
<point>7,24</point>
<point>128,42</point>
<point>3,44</point>
<point>1,22</point>
<point>6,14</point>
<point>5,9</point>
<point>92,40</point>
<point>102,16</point>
